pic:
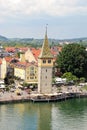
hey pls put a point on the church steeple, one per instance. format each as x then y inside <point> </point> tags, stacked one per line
<point>45,52</point>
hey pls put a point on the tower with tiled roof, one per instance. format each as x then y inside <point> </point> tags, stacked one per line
<point>45,65</point>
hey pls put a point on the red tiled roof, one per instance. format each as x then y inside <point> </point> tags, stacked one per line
<point>24,64</point>
<point>36,52</point>
<point>8,59</point>
<point>10,49</point>
<point>54,52</point>
<point>23,49</point>
<point>60,49</point>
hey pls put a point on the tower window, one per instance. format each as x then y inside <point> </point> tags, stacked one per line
<point>44,61</point>
<point>46,70</point>
<point>49,61</point>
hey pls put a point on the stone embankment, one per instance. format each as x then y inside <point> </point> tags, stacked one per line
<point>9,97</point>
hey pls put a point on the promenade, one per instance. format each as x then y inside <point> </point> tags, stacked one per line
<point>12,96</point>
<point>57,95</point>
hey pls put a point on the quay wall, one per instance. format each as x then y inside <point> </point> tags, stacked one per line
<point>56,98</point>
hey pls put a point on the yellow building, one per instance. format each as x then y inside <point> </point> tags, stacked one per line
<point>19,72</point>
<point>31,74</point>
<point>26,71</point>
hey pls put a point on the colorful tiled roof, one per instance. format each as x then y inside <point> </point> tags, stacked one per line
<point>45,52</point>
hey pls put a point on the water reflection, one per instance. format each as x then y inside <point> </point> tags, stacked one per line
<point>18,117</point>
<point>26,116</point>
<point>44,114</point>
<point>68,115</point>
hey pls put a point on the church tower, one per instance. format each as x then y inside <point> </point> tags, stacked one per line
<point>45,65</point>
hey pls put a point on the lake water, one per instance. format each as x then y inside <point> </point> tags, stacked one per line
<point>68,115</point>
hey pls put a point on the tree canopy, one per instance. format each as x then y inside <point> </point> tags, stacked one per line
<point>9,79</point>
<point>73,58</point>
<point>70,77</point>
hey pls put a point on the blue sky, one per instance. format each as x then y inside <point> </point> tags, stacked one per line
<point>28,18</point>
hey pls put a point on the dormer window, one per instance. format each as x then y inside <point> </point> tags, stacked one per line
<point>44,61</point>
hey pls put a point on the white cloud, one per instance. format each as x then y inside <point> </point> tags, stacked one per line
<point>39,7</point>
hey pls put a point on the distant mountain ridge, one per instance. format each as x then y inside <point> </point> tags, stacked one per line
<point>39,41</point>
<point>61,40</point>
<point>4,39</point>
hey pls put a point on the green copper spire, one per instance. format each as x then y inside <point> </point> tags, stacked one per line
<point>45,52</point>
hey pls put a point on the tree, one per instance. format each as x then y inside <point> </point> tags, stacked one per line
<point>70,77</point>
<point>82,79</point>
<point>73,58</point>
<point>9,79</point>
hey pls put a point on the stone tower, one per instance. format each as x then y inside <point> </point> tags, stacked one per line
<point>45,65</point>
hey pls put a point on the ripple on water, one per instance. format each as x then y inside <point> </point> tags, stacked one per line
<point>68,115</point>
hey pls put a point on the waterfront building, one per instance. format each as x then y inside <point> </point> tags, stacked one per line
<point>22,68</point>
<point>2,68</point>
<point>4,62</point>
<point>32,62</point>
<point>45,65</point>
<point>26,71</point>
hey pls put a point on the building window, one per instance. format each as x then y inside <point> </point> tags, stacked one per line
<point>49,61</point>
<point>46,70</point>
<point>35,71</point>
<point>44,61</point>
<point>46,77</point>
<point>35,77</point>
<point>27,78</point>
<point>31,74</point>
<point>31,77</point>
<point>32,68</point>
<point>32,71</point>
